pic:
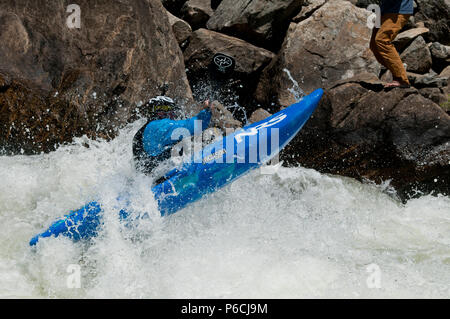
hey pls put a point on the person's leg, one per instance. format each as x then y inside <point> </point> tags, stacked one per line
<point>391,25</point>
<point>374,48</point>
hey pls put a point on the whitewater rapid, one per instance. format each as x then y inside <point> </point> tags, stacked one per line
<point>293,234</point>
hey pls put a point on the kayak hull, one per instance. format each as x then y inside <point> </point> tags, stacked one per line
<point>214,167</point>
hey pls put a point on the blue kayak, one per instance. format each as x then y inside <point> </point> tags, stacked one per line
<point>215,166</point>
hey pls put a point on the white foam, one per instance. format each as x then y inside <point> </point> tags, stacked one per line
<point>293,234</point>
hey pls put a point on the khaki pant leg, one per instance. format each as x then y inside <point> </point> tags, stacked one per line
<point>391,25</point>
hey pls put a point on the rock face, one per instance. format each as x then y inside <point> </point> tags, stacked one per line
<point>417,56</point>
<point>61,82</point>
<point>260,22</point>
<point>406,37</point>
<point>436,15</point>
<point>181,29</point>
<point>197,12</point>
<point>205,43</point>
<point>330,45</point>
<point>397,135</point>
<point>308,9</point>
<point>250,61</point>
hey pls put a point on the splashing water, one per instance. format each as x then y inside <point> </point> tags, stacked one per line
<point>296,233</point>
<point>295,90</point>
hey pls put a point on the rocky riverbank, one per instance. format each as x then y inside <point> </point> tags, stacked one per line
<point>58,82</point>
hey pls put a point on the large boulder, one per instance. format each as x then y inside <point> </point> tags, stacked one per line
<point>261,22</point>
<point>417,56</point>
<point>250,61</point>
<point>331,45</point>
<point>61,82</point>
<point>397,136</point>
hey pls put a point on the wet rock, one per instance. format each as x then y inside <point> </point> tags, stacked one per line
<point>329,46</point>
<point>259,115</point>
<point>207,84</point>
<point>417,56</point>
<point>397,135</point>
<point>197,12</point>
<point>222,118</point>
<point>66,82</point>
<point>205,43</point>
<point>181,29</point>
<point>406,37</point>
<point>260,22</point>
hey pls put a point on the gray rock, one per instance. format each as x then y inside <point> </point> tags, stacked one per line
<point>261,22</point>
<point>434,94</point>
<point>397,135</point>
<point>431,81</point>
<point>329,46</point>
<point>440,52</point>
<point>417,56</point>
<point>406,37</point>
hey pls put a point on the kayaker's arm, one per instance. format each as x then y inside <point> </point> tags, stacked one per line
<point>158,135</point>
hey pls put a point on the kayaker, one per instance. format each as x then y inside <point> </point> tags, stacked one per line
<point>394,16</point>
<point>153,143</point>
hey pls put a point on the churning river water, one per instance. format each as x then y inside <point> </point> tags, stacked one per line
<point>293,234</point>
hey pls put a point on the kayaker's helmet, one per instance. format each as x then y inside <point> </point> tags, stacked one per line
<point>163,107</point>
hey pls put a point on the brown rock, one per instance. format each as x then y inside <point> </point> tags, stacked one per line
<point>405,38</point>
<point>181,29</point>
<point>197,12</point>
<point>397,135</point>
<point>261,22</point>
<point>205,43</point>
<point>69,82</point>
<point>259,115</point>
<point>434,94</point>
<point>445,73</point>
<point>417,56</point>
<point>308,9</point>
<point>329,46</point>
<point>222,118</point>
<point>439,51</point>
